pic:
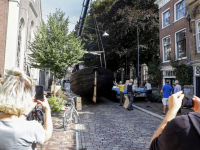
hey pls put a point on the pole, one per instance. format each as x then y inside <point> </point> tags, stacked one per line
<point>126,64</point>
<point>95,86</point>
<point>100,60</point>
<point>104,56</point>
<point>190,31</point>
<point>138,53</point>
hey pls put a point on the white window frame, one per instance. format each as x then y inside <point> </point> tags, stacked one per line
<point>19,44</point>
<point>175,10</point>
<point>168,9</point>
<point>163,47</point>
<point>176,45</point>
<point>197,38</point>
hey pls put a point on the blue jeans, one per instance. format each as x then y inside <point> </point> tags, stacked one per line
<point>131,98</point>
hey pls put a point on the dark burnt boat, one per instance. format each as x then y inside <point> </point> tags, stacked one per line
<point>82,81</point>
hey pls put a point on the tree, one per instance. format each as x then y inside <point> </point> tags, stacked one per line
<point>154,72</point>
<point>53,47</point>
<point>119,19</point>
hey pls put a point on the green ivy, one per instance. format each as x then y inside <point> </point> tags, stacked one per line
<point>56,103</point>
<point>183,73</point>
<point>154,72</point>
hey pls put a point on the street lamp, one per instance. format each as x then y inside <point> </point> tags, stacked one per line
<point>105,34</point>
<point>138,53</point>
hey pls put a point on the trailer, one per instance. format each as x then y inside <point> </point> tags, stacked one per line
<point>139,92</point>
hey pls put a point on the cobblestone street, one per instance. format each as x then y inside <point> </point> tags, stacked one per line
<point>106,125</point>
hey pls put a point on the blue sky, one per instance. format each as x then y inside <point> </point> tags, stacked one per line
<point>72,9</point>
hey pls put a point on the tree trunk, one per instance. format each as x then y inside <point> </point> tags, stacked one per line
<point>54,80</point>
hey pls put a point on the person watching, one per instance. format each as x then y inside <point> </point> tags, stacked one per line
<point>180,133</point>
<point>177,88</point>
<point>131,91</point>
<point>149,91</point>
<point>16,103</point>
<point>165,92</point>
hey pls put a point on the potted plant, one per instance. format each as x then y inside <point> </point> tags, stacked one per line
<point>56,104</point>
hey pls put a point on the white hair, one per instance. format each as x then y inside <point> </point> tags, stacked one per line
<point>15,94</point>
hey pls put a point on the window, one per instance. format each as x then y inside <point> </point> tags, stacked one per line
<point>168,73</point>
<point>167,48</point>
<point>180,9</point>
<point>166,18</point>
<point>19,43</point>
<point>198,35</point>
<point>31,32</point>
<point>181,44</point>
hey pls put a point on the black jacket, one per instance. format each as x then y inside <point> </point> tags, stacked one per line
<point>181,133</point>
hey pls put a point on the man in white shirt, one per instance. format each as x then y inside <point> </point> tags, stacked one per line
<point>177,88</point>
<point>149,91</point>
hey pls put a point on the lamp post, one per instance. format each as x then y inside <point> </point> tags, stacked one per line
<point>104,55</point>
<point>138,53</point>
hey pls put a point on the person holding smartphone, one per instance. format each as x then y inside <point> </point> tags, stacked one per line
<point>16,103</point>
<point>180,133</point>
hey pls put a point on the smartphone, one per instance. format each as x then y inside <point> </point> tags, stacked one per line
<point>188,103</point>
<point>39,89</point>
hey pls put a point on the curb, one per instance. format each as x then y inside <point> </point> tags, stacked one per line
<point>149,112</point>
<point>56,114</point>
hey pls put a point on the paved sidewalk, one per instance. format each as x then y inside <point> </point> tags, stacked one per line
<point>157,108</point>
<point>61,140</point>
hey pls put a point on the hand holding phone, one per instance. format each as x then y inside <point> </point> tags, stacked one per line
<point>196,104</point>
<point>39,92</point>
<point>188,103</point>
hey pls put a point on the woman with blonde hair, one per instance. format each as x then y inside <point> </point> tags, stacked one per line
<point>16,103</point>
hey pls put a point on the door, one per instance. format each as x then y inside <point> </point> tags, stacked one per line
<point>171,81</point>
<point>198,86</point>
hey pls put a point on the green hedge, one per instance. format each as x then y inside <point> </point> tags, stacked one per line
<point>56,103</point>
<point>156,97</point>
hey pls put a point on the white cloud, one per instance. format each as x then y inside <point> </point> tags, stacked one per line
<point>73,20</point>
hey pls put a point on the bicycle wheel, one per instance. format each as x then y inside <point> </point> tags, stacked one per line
<point>66,119</point>
<point>75,116</point>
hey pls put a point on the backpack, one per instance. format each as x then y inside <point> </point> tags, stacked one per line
<point>36,114</point>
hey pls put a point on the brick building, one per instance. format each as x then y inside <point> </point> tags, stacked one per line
<point>3,27</point>
<point>18,21</point>
<point>193,16</point>
<point>174,33</point>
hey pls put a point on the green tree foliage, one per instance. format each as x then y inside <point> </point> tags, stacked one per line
<point>120,19</point>
<point>183,72</point>
<point>154,73</point>
<point>53,47</point>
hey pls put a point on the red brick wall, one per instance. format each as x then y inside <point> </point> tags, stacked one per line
<point>171,29</point>
<point>3,27</point>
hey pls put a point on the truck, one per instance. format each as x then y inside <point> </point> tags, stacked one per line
<point>139,92</point>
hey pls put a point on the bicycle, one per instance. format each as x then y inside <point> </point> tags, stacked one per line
<point>70,114</point>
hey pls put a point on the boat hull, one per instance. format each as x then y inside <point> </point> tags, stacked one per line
<point>82,82</point>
